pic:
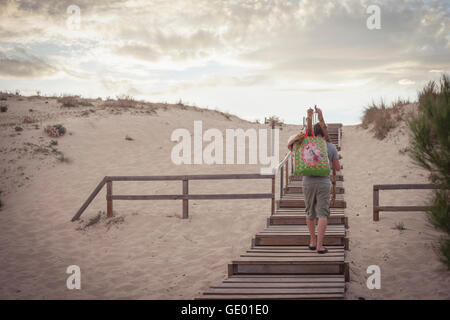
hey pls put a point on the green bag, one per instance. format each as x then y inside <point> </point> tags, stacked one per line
<point>311,157</point>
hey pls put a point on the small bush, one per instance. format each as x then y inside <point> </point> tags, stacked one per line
<point>85,103</point>
<point>399,226</point>
<point>62,158</point>
<point>123,101</point>
<point>55,131</point>
<point>1,204</point>
<point>28,119</point>
<point>3,107</point>
<point>18,129</point>
<point>69,101</point>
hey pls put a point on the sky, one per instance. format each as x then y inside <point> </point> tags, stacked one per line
<point>248,57</point>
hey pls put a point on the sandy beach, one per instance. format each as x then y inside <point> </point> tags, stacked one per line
<point>147,251</point>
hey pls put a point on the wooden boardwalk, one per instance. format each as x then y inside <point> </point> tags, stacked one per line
<point>279,264</point>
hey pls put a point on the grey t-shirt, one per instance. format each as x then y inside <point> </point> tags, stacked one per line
<point>332,155</point>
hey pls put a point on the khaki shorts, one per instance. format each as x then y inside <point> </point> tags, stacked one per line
<point>317,200</point>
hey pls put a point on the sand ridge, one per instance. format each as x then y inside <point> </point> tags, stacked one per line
<point>150,253</point>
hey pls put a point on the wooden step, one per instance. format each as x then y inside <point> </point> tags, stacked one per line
<point>296,211</point>
<point>339,177</point>
<point>301,196</point>
<point>299,189</point>
<point>300,219</point>
<point>278,287</point>
<point>283,263</point>
<point>299,203</point>
<point>298,235</point>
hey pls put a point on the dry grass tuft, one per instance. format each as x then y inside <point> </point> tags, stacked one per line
<point>382,117</point>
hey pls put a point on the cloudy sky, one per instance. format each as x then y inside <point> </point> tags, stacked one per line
<point>253,58</point>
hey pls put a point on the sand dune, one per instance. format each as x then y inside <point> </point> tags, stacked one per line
<point>149,252</point>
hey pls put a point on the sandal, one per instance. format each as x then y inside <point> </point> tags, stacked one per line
<point>325,250</point>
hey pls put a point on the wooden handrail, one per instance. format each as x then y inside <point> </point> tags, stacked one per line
<point>284,165</point>
<point>185,196</point>
<point>376,198</point>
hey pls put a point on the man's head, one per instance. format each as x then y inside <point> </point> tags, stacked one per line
<point>318,130</point>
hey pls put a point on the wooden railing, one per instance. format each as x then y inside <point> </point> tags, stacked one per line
<point>284,167</point>
<point>185,196</point>
<point>376,198</point>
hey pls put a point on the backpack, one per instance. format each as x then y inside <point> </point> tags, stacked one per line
<point>311,157</point>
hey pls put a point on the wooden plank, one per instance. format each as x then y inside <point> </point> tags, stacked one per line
<point>287,276</point>
<point>300,220</point>
<point>191,177</point>
<point>281,269</point>
<point>285,279</point>
<point>314,296</point>
<point>293,203</point>
<point>339,177</point>
<point>295,240</point>
<point>305,249</point>
<point>288,290</point>
<point>185,201</point>
<point>195,196</point>
<point>298,189</point>
<point>293,255</point>
<point>292,247</point>
<point>402,208</point>
<point>89,200</point>
<point>109,201</point>
<point>406,186</point>
<point>282,286</point>
<point>267,259</point>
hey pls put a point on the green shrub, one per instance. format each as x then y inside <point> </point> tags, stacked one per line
<point>430,129</point>
<point>430,149</point>
<point>439,210</point>
<point>444,251</point>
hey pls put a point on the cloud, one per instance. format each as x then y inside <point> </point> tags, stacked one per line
<point>288,46</point>
<point>20,64</point>
<point>406,82</point>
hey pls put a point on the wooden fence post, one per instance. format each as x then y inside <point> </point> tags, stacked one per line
<point>273,194</point>
<point>185,201</point>
<point>281,180</point>
<point>287,172</point>
<point>109,201</point>
<point>376,203</point>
